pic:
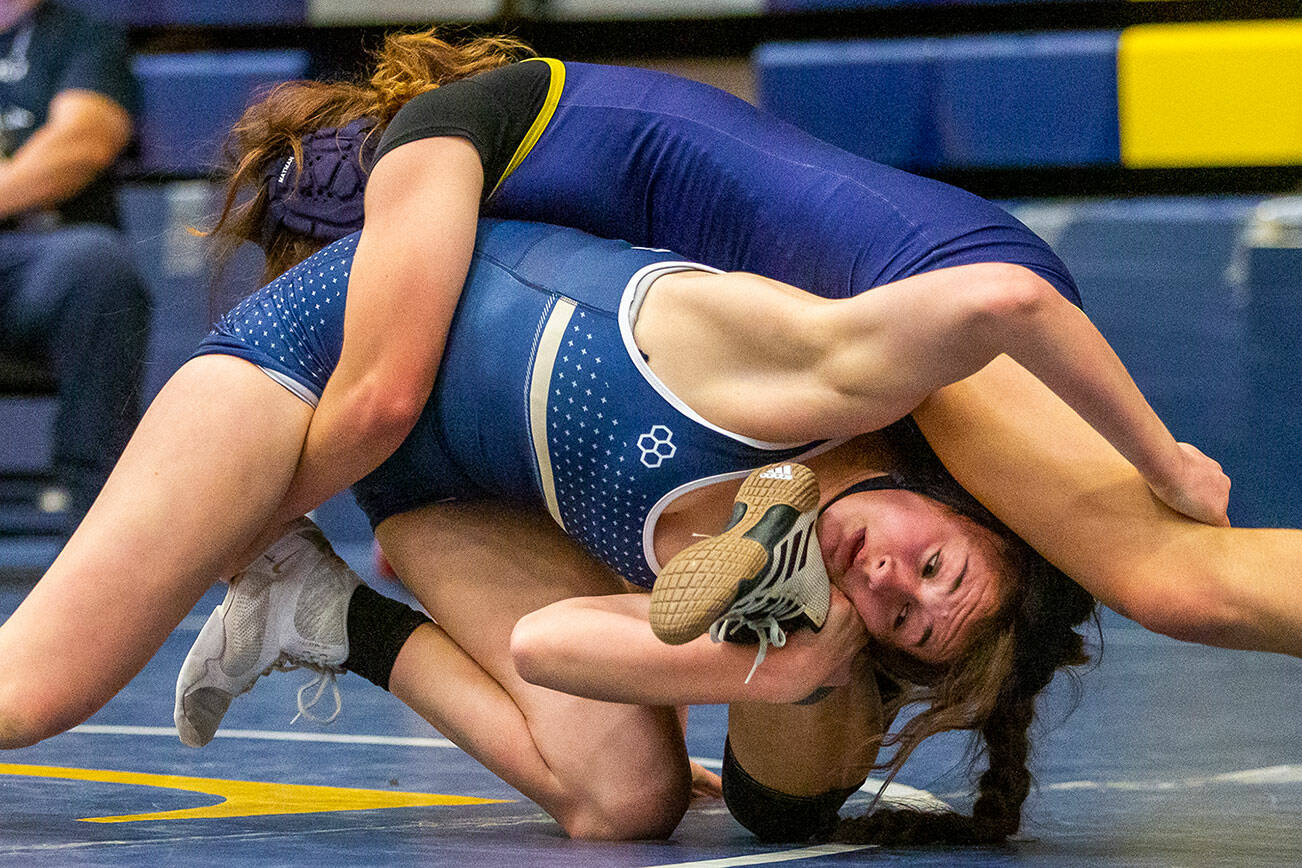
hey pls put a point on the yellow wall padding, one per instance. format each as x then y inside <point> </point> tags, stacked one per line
<point>1211,94</point>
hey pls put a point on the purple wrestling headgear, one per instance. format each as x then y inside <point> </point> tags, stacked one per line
<point>323,198</point>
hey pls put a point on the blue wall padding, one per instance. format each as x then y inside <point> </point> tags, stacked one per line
<point>25,425</point>
<point>175,267</point>
<point>190,101</point>
<point>143,13</point>
<point>1273,296</point>
<point>1156,278</point>
<point>980,102</point>
<point>1027,100</point>
<point>870,98</point>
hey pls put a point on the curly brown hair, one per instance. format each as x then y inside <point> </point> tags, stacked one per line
<point>406,65</point>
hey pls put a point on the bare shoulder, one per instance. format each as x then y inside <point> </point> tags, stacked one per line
<point>730,314</point>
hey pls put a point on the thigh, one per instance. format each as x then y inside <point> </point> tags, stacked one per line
<point>203,472</point>
<point>1060,486</point>
<point>36,271</point>
<point>840,728</point>
<point>477,569</point>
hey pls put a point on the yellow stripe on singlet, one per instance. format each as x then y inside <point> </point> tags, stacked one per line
<point>543,118</point>
<point>539,385</point>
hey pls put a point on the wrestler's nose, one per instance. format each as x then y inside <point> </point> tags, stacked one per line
<point>886,574</point>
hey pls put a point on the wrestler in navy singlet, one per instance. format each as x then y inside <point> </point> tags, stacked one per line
<point>541,396</point>
<point>667,162</point>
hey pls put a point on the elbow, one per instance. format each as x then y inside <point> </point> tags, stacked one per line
<point>1195,605</point>
<point>99,160</point>
<point>531,649</point>
<point>1191,618</point>
<point>384,415</point>
<point>1011,298</point>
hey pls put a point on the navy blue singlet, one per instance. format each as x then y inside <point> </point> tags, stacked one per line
<point>662,161</point>
<point>542,395</point>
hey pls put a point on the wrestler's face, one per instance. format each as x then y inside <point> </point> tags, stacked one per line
<point>921,577</point>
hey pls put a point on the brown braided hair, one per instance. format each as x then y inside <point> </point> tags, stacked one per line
<point>992,690</point>
<point>406,65</point>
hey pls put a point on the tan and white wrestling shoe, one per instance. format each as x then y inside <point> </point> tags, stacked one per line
<point>287,610</point>
<point>762,572</point>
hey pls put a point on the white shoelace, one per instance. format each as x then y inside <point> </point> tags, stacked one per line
<point>325,677</point>
<point>761,614</point>
<point>321,681</point>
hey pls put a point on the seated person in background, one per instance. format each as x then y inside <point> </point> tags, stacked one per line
<point>70,296</point>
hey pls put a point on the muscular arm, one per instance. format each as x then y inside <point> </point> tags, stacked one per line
<point>82,136</point>
<point>603,648</point>
<point>402,293</point>
<point>1052,479</point>
<point>808,367</point>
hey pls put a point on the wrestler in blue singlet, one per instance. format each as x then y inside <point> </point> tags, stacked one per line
<point>667,162</point>
<point>542,395</point>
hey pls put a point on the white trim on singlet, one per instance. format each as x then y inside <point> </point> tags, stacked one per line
<point>629,307</point>
<point>653,515</point>
<point>303,393</point>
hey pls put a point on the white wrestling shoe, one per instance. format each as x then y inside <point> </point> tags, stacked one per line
<point>287,610</point>
<point>761,573</point>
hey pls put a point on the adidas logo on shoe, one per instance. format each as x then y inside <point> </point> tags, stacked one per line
<point>764,570</point>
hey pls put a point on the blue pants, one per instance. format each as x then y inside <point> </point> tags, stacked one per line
<point>71,299</point>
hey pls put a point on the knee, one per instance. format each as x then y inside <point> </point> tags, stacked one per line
<point>24,719</point>
<point>636,809</point>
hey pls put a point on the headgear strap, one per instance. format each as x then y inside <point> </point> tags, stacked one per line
<point>884,482</point>
<point>323,198</point>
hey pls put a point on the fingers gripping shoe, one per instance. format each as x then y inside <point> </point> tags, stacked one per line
<point>287,610</point>
<point>765,568</point>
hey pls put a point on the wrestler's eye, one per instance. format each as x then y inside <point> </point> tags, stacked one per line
<point>902,616</point>
<point>932,566</point>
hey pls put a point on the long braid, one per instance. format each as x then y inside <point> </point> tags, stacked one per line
<point>1006,782</point>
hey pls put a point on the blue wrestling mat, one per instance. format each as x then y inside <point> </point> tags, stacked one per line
<point>1175,755</point>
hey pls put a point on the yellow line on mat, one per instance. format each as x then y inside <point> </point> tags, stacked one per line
<point>245,798</point>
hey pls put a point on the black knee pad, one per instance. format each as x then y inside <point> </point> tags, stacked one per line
<point>774,816</point>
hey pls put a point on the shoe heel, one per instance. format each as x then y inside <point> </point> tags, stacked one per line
<point>700,583</point>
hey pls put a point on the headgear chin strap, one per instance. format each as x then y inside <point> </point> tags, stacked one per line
<point>321,199</point>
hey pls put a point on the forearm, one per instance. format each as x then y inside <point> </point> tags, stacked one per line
<point>840,735</point>
<point>1062,348</point>
<point>347,439</point>
<point>84,134</point>
<point>603,648</point>
<point>27,183</point>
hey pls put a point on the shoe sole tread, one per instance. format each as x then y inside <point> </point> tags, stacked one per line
<point>701,582</point>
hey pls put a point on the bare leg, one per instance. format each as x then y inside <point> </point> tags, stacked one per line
<point>603,770</point>
<point>807,749</point>
<point>203,472</point>
<point>1062,488</point>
